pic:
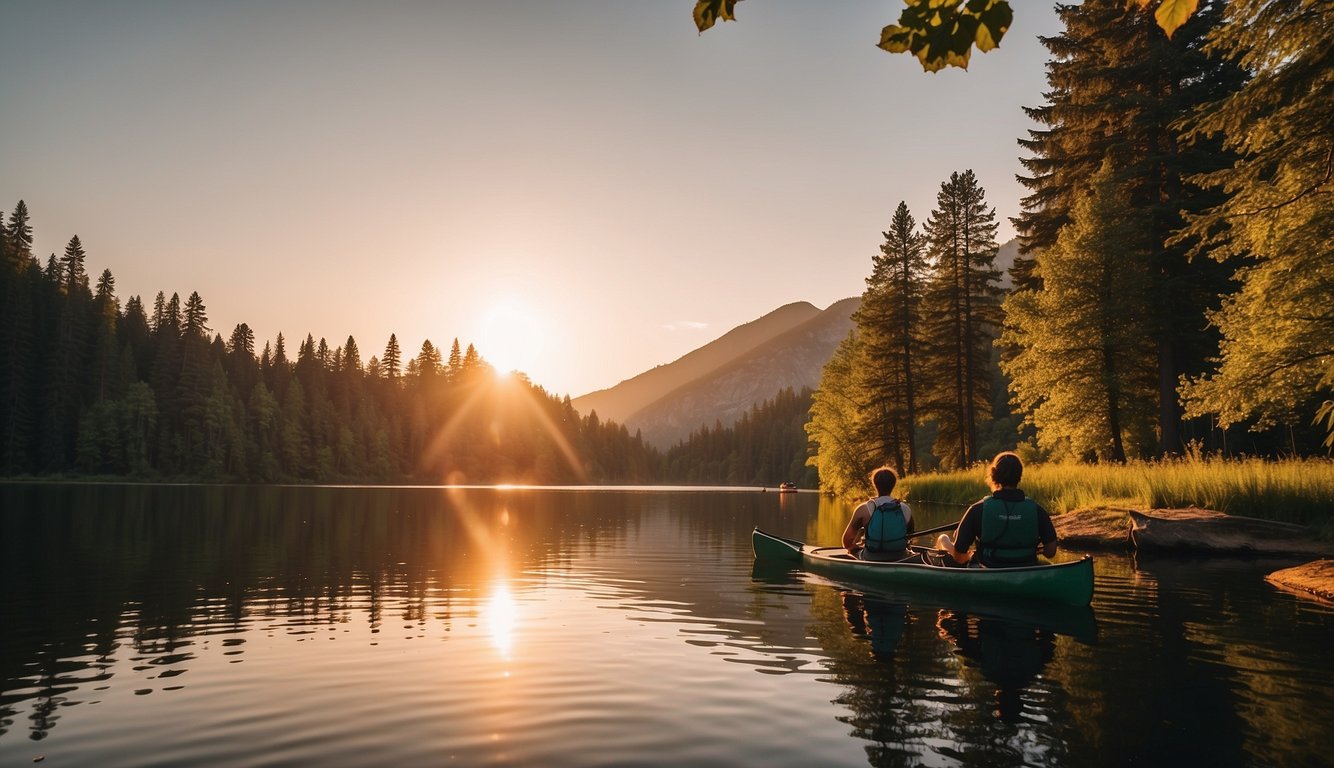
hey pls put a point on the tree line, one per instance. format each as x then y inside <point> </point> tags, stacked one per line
<point>1175,284</point>
<point>93,387</point>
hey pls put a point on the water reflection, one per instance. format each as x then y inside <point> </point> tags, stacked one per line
<point>501,617</point>
<point>1009,654</point>
<point>516,627</point>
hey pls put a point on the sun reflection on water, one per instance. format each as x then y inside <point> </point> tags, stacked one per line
<point>502,614</point>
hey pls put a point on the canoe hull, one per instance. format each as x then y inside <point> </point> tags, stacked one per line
<point>1069,583</point>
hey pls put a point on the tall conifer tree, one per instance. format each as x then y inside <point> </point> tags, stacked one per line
<point>961,317</point>
<point>1276,361</point>
<point>1085,370</point>
<point>890,340</point>
<point>1117,87</point>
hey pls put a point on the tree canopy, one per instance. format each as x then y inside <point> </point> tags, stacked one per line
<point>943,33</point>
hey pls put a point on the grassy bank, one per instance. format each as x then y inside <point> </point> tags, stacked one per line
<point>1296,490</point>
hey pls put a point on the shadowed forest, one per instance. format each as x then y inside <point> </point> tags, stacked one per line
<point>92,387</point>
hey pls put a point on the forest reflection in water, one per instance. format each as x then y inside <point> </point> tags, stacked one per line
<point>253,625</point>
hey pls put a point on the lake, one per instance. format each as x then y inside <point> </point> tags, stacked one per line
<point>257,626</point>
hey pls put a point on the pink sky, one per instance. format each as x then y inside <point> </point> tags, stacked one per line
<point>582,189</point>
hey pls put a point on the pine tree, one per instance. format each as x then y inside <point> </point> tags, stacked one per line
<point>19,236</point>
<point>351,356</point>
<point>1276,359</point>
<point>1117,88</point>
<point>428,361</point>
<point>389,364</point>
<point>961,317</point>
<point>839,457</point>
<point>72,265</point>
<point>455,360</point>
<point>1085,372</point>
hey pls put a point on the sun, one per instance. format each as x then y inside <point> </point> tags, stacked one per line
<point>510,336</point>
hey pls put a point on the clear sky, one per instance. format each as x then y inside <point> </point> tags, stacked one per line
<point>583,189</point>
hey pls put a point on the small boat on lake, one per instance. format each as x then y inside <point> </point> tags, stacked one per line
<point>1068,583</point>
<point>787,487</point>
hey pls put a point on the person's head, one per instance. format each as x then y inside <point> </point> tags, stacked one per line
<point>1005,470</point>
<point>884,481</point>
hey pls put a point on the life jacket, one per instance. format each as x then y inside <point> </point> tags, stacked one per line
<point>1009,532</point>
<point>887,531</point>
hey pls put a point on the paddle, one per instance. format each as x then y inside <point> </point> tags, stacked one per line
<point>937,529</point>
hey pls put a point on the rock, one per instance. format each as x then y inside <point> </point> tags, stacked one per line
<point>1311,580</point>
<point>1094,528</point>
<point>1205,530</point>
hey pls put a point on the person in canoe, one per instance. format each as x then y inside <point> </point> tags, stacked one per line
<point>1008,527</point>
<point>880,527</point>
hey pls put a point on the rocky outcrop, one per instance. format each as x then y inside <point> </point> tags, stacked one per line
<point>1311,580</point>
<point>1105,528</point>
<point>1205,530</point>
<point>1201,530</point>
<point>1184,530</point>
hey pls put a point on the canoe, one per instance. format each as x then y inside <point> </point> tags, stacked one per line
<point>1068,583</point>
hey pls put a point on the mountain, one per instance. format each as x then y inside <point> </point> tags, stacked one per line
<point>618,403</point>
<point>1005,260</point>
<point>742,369</point>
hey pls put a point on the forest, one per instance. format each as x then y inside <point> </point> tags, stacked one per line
<point>92,387</point>
<point>1175,288</point>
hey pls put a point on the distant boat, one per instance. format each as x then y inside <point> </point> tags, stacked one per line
<point>787,487</point>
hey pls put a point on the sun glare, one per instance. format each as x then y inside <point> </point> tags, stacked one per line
<point>511,337</point>
<point>502,613</point>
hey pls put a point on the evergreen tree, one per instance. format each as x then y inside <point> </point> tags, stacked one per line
<point>351,355</point>
<point>72,267</point>
<point>887,327</point>
<point>428,360</point>
<point>19,237</point>
<point>389,364</point>
<point>1277,354</point>
<point>840,458</point>
<point>1085,372</point>
<point>455,359</point>
<point>1118,86</point>
<point>961,317</point>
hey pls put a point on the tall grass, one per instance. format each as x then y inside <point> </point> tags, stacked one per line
<point>1292,490</point>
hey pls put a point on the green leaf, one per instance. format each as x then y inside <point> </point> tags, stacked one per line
<point>941,33</point>
<point>994,22</point>
<point>708,12</point>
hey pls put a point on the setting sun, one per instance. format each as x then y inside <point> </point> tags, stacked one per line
<point>510,336</point>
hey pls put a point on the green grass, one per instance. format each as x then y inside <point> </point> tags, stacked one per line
<point>1293,490</point>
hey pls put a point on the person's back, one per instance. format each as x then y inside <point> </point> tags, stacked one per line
<point>885,521</point>
<point>886,531</point>
<point>1007,526</point>
<point>1008,534</point>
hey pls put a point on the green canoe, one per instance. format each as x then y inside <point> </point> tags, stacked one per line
<point>1069,583</point>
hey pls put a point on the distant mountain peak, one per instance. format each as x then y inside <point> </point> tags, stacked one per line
<point>723,379</point>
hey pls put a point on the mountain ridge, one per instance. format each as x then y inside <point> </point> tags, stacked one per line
<point>619,402</point>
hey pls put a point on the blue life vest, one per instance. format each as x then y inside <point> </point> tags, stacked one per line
<point>1009,532</point>
<point>887,531</point>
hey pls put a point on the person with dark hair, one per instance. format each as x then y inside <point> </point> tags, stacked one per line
<point>879,528</point>
<point>1007,526</point>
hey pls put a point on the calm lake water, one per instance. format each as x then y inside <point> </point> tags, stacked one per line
<point>244,626</point>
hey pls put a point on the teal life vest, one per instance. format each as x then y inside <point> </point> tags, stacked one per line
<point>887,531</point>
<point>1009,532</point>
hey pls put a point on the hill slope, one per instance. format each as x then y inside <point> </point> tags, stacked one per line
<point>794,358</point>
<point>618,403</point>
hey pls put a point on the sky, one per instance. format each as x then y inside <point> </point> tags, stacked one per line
<point>582,189</point>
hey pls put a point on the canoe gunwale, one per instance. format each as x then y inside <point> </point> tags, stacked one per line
<point>1069,582</point>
